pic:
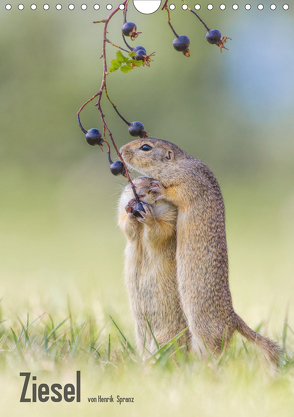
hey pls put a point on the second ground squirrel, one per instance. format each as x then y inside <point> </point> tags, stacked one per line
<point>201,252</point>
<point>150,267</point>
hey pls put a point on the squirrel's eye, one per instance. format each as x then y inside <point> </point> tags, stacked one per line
<point>146,147</point>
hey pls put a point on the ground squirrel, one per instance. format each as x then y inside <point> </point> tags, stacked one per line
<point>150,266</point>
<point>201,253</point>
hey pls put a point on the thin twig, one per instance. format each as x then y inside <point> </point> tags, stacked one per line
<point>104,88</point>
<point>125,11</point>
<point>168,20</point>
<point>116,46</point>
<point>124,39</point>
<point>207,28</point>
<point>164,5</point>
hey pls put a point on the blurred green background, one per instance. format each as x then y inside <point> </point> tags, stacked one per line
<point>59,238</point>
<point>234,110</point>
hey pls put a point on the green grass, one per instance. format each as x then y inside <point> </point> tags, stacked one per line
<point>53,347</point>
<point>61,281</point>
<point>62,278</point>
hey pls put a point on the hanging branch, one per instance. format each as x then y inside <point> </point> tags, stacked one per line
<point>123,168</point>
<point>137,56</point>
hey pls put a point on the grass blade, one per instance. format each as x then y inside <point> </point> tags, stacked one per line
<point>130,347</point>
<point>17,344</point>
<point>70,320</point>
<point>258,328</point>
<point>45,339</point>
<point>154,338</point>
<point>167,345</point>
<point>285,327</point>
<point>144,344</point>
<point>209,354</point>
<point>57,327</point>
<point>223,341</point>
<point>245,347</point>
<point>78,337</point>
<point>109,348</point>
<point>223,348</point>
<point>25,330</point>
<point>290,328</point>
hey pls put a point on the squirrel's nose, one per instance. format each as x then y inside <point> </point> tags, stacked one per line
<point>123,148</point>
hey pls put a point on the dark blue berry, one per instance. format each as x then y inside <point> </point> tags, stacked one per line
<point>139,48</point>
<point>213,36</point>
<point>93,137</point>
<point>117,168</point>
<point>181,43</point>
<point>128,28</point>
<point>136,129</point>
<point>140,55</point>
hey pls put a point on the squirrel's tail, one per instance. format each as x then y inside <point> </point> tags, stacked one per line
<point>271,350</point>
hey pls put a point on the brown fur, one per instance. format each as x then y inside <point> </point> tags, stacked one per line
<point>201,253</point>
<point>150,267</point>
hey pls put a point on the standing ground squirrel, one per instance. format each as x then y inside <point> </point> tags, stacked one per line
<point>201,252</point>
<point>150,266</point>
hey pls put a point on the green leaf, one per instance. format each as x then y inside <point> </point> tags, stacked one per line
<point>126,68</point>
<point>132,53</point>
<point>115,64</point>
<point>120,57</point>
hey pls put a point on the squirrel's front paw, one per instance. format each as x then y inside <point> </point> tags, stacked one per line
<point>137,210</point>
<point>130,209</point>
<point>156,190</point>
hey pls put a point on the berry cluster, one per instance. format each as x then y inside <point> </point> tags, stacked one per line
<point>181,42</point>
<point>136,57</point>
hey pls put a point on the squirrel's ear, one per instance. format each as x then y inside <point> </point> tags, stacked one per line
<point>169,155</point>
